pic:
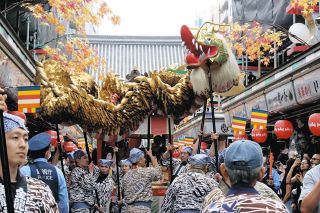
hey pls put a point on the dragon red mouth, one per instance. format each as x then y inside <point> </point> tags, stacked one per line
<point>197,53</point>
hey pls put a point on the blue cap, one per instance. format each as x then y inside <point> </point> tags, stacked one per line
<point>70,155</point>
<point>187,149</point>
<point>11,122</point>
<point>79,154</point>
<point>199,160</point>
<point>125,162</point>
<point>105,162</point>
<point>135,155</point>
<point>243,155</point>
<point>39,141</point>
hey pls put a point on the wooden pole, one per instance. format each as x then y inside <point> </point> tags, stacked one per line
<point>170,141</point>
<point>5,167</point>
<point>60,150</point>
<point>202,124</point>
<point>212,117</point>
<point>148,135</point>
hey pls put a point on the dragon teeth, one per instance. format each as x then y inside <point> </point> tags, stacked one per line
<point>183,43</point>
<point>200,47</point>
<point>193,41</point>
<point>196,45</point>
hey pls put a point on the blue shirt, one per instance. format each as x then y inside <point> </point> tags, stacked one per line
<point>63,192</point>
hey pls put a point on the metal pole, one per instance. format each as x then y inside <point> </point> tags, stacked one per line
<point>212,117</point>
<point>5,167</point>
<point>202,124</point>
<point>170,141</point>
<point>60,149</point>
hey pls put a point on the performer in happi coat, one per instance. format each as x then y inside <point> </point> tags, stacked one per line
<point>188,190</point>
<point>137,189</point>
<point>30,195</point>
<point>179,165</point>
<point>105,185</point>
<point>83,184</point>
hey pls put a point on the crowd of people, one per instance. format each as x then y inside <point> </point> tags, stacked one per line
<point>244,180</point>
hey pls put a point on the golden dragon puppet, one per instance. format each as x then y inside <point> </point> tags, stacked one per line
<point>76,99</point>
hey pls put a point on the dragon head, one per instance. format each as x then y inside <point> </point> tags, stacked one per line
<point>209,52</point>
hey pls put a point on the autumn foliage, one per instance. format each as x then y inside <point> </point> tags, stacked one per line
<point>254,41</point>
<point>74,53</point>
<point>306,6</point>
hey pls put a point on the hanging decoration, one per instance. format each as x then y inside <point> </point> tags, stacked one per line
<point>53,135</point>
<point>314,124</point>
<point>283,129</point>
<point>259,135</point>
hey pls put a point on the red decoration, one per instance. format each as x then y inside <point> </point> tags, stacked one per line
<point>53,135</point>
<point>259,135</point>
<point>19,114</point>
<point>204,145</point>
<point>238,136</point>
<point>176,154</point>
<point>283,129</point>
<point>69,146</point>
<point>314,124</point>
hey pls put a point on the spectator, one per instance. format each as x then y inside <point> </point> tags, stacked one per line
<point>310,193</point>
<point>275,180</point>
<point>315,160</point>
<point>243,166</point>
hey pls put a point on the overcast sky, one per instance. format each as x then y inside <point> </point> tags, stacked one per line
<point>157,17</point>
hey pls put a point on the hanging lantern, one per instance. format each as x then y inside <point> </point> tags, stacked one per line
<point>240,136</point>
<point>283,129</point>
<point>53,135</point>
<point>314,124</point>
<point>69,146</point>
<point>259,135</point>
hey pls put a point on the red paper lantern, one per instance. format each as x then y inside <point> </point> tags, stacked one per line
<point>53,135</point>
<point>238,136</point>
<point>259,135</point>
<point>19,114</point>
<point>283,129</point>
<point>69,146</point>
<point>314,124</point>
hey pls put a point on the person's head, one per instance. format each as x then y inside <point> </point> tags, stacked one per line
<point>16,134</point>
<point>199,161</point>
<point>137,157</point>
<point>243,163</point>
<point>125,165</point>
<point>186,152</point>
<point>39,146</point>
<point>315,160</point>
<point>104,166</point>
<point>305,165</point>
<point>306,156</point>
<point>81,158</point>
<point>71,161</point>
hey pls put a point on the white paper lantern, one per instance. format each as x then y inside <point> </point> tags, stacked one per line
<point>301,31</point>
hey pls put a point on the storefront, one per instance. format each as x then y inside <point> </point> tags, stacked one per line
<point>290,92</point>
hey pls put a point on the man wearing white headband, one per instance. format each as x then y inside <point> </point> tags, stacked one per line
<point>30,195</point>
<point>188,191</point>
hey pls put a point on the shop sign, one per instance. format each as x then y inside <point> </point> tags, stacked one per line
<point>307,87</point>
<point>256,103</point>
<point>281,98</point>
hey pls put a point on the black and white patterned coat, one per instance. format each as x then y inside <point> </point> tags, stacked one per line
<point>104,189</point>
<point>83,185</point>
<point>188,191</point>
<point>32,196</point>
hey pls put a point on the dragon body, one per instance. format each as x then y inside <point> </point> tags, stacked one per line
<point>118,107</point>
